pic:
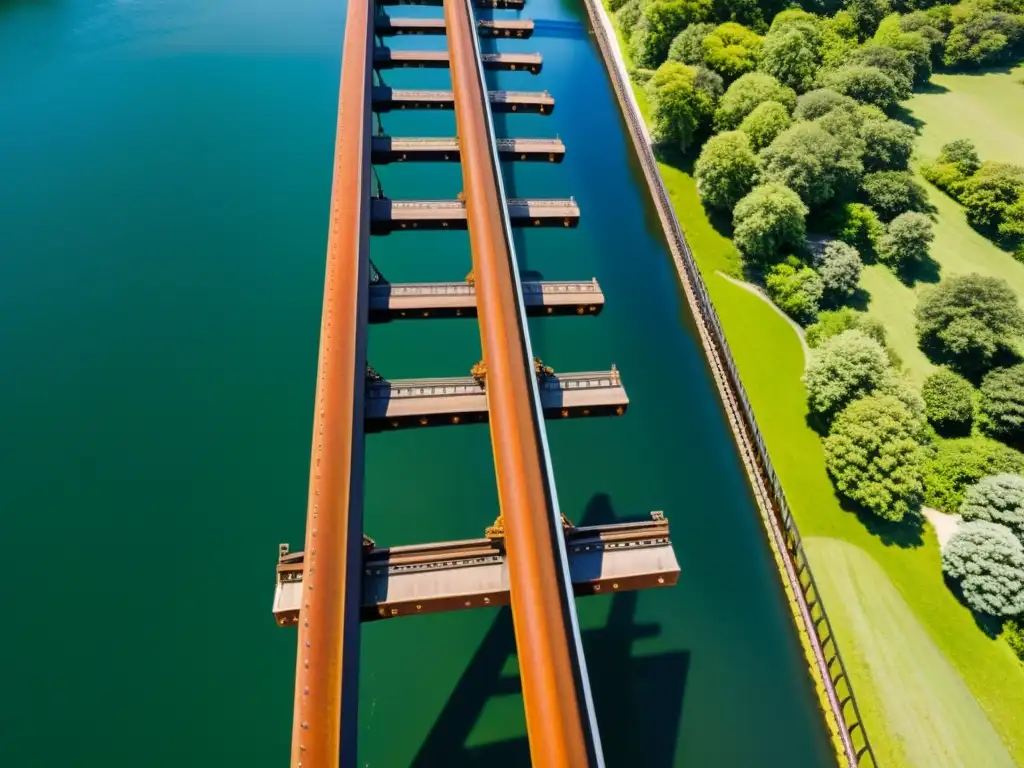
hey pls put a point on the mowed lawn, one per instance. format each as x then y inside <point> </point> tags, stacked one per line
<point>988,109</point>
<point>971,709</point>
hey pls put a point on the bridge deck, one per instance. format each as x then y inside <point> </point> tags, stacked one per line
<point>387,27</point>
<point>388,149</point>
<point>417,300</point>
<point>462,399</point>
<point>385,58</point>
<point>390,215</point>
<point>386,99</point>
<point>446,576</point>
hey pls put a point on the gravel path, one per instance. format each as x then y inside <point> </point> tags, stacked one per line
<point>944,525</point>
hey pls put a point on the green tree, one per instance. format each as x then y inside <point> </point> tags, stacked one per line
<point>868,85</point>
<point>832,322</point>
<point>628,16</point>
<point>679,109</point>
<point>732,50</point>
<point>891,193</point>
<point>867,15</point>
<point>726,170</point>
<point>769,221</point>
<point>1002,403</point>
<point>981,37</point>
<point>660,22</point>
<point>743,96</point>
<point>874,457</point>
<point>919,22</point>
<point>966,319</point>
<point>687,47</point>
<point>1013,633</point>
<point>838,38</point>
<point>791,57</point>
<point>988,562</point>
<point>990,193</point>
<point>839,265</point>
<point>949,402</point>
<point>859,226</point>
<point>795,290</point>
<point>811,162</point>
<point>817,103</point>
<point>953,465</point>
<point>907,241</point>
<point>766,122</point>
<point>962,154</point>
<point>997,499</point>
<point>888,145</point>
<point>843,369</point>
<point>895,63</point>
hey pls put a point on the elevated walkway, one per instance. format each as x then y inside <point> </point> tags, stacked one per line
<point>418,300</point>
<point>463,399</point>
<point>388,215</point>
<point>388,149</point>
<point>386,99</point>
<point>456,575</point>
<point>385,58</point>
<point>385,26</point>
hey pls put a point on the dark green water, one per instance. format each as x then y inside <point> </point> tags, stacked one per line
<point>164,181</point>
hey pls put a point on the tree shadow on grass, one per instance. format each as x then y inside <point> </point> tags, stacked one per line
<point>992,626</point>
<point>906,534</point>
<point>907,117</point>
<point>970,368</point>
<point>925,271</point>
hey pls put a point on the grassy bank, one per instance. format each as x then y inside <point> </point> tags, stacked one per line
<point>933,688</point>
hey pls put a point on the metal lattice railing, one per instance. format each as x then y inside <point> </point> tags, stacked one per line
<point>831,669</point>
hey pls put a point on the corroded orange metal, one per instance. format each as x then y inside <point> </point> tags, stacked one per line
<point>551,699</point>
<point>326,675</point>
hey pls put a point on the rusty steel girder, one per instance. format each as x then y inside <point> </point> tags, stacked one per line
<point>550,669</point>
<point>327,664</point>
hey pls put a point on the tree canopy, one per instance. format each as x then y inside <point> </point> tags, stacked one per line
<point>859,226</point>
<point>988,561</point>
<point>767,121</point>
<point>660,21</point>
<point>687,47</point>
<point>769,221</point>
<point>891,193</point>
<point>732,50</point>
<point>817,103</point>
<point>997,499</point>
<point>791,55</point>
<point>949,402</point>
<point>869,85</point>
<point>812,162</point>
<point>1002,402</point>
<point>795,290</point>
<point>953,465</point>
<point>743,96</point>
<point>873,456</point>
<point>844,368</point>
<point>966,319</point>
<point>726,170</point>
<point>906,241</point>
<point>888,145</point>
<point>679,107</point>
<point>839,265</point>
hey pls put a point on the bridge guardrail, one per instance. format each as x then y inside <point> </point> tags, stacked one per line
<point>831,669</point>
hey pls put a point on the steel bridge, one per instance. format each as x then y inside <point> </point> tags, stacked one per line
<point>532,558</point>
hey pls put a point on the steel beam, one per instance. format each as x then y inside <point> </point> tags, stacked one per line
<point>555,693</point>
<point>325,718</point>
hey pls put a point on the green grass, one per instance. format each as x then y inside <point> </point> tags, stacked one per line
<point>917,687</point>
<point>922,670</point>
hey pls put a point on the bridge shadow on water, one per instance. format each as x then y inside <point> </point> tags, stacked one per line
<point>639,699</point>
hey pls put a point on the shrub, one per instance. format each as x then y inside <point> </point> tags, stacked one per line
<point>997,499</point>
<point>1002,402</point>
<point>1013,631</point>
<point>888,145</point>
<point>874,458</point>
<point>891,193</point>
<point>946,177</point>
<point>844,368</point>
<point>966,319</point>
<point>766,122</point>
<point>907,240</point>
<point>743,96</point>
<point>955,464</point>
<point>949,402</point>
<point>988,561</point>
<point>687,46</point>
<point>812,162</point>
<point>815,104</point>
<point>769,221</point>
<point>859,226</point>
<point>868,85</point>
<point>732,50</point>
<point>839,265</point>
<point>962,154</point>
<point>726,170</point>
<point>990,192</point>
<point>832,322</point>
<point>796,291</point>
<point>678,107</point>
<point>790,56</point>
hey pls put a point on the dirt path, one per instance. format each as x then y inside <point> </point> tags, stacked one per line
<point>944,525</point>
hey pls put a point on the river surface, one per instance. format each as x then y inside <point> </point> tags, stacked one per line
<point>164,183</point>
